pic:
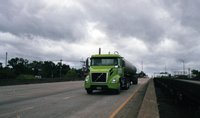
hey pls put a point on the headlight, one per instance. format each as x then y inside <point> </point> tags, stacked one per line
<point>87,79</point>
<point>114,81</point>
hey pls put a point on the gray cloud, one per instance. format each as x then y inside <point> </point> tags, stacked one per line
<point>159,32</point>
<point>36,18</point>
<point>127,19</point>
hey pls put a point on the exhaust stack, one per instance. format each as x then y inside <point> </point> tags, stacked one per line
<point>99,51</point>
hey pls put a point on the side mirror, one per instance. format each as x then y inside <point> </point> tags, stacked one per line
<point>87,63</point>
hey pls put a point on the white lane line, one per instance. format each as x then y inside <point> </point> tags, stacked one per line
<point>14,112</point>
<point>65,98</point>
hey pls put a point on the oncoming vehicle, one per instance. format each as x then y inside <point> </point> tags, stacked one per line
<point>109,72</point>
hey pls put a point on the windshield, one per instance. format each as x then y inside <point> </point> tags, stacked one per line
<point>104,61</point>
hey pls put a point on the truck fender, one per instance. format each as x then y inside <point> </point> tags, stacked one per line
<point>116,77</point>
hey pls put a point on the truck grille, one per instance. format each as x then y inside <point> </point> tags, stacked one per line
<point>98,77</point>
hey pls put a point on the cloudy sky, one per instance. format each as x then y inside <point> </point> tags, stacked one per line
<point>158,32</point>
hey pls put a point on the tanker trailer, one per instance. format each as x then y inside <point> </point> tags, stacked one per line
<point>130,72</point>
<point>109,72</point>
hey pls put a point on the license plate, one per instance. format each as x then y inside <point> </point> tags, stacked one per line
<point>99,88</point>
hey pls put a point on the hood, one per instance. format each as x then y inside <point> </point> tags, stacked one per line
<point>100,69</point>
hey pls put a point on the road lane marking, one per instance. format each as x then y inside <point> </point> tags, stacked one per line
<point>65,98</point>
<point>124,103</point>
<point>14,112</point>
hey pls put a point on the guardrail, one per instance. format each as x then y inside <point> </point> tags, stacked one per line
<point>181,88</point>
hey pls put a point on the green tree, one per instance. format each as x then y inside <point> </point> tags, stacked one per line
<point>71,74</point>
<point>35,67</point>
<point>1,65</point>
<point>48,68</point>
<point>196,73</point>
<point>19,65</point>
<point>7,73</point>
<point>65,69</point>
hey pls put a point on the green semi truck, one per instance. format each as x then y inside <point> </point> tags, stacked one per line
<point>109,72</point>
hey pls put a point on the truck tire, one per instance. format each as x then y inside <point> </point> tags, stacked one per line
<point>117,91</point>
<point>89,91</point>
<point>127,85</point>
<point>135,81</point>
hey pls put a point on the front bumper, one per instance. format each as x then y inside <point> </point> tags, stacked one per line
<point>105,86</point>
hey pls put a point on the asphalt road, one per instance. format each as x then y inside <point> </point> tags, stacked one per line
<point>60,100</point>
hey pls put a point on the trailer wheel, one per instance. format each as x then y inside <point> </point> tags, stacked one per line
<point>127,86</point>
<point>135,82</point>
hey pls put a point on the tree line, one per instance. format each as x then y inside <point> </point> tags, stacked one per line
<point>19,68</point>
<point>196,74</point>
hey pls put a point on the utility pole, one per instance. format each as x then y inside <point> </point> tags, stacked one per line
<point>6,61</point>
<point>60,67</point>
<point>183,67</point>
<point>142,65</point>
<point>183,61</point>
<point>189,73</point>
<point>84,68</point>
<point>83,65</point>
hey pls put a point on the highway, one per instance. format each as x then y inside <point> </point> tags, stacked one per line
<point>64,100</point>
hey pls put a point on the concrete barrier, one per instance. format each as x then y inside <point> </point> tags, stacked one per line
<point>181,88</point>
<point>149,107</point>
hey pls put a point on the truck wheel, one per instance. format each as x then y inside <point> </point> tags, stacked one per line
<point>89,91</point>
<point>127,85</point>
<point>135,82</point>
<point>117,91</point>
